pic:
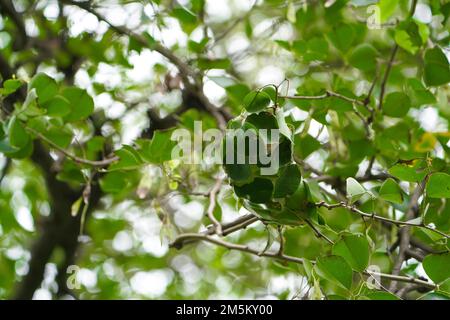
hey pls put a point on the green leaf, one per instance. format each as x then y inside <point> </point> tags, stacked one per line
<point>438,213</point>
<point>308,266</point>
<point>317,49</point>
<point>396,105</point>
<point>187,19</point>
<point>239,172</point>
<point>258,191</point>
<point>75,208</point>
<point>21,153</point>
<point>407,173</point>
<point>58,106</point>
<point>10,86</point>
<point>437,267</point>
<point>419,94</point>
<point>300,47</point>
<point>390,191</point>
<point>159,149</point>
<point>30,100</point>
<point>6,148</point>
<point>61,136</point>
<point>408,36</point>
<point>263,120</point>
<point>287,182</point>
<point>438,185</point>
<point>256,101</point>
<point>354,190</point>
<point>282,125</point>
<point>206,64</point>
<point>387,8</point>
<point>305,145</point>
<point>46,87</point>
<point>299,200</point>
<point>381,295</point>
<point>129,158</point>
<point>342,37</point>
<point>435,296</point>
<point>197,47</point>
<point>18,136</point>
<point>363,57</point>
<point>114,182</point>
<point>336,269</point>
<point>314,191</point>
<point>354,249</point>
<point>237,92</point>
<point>362,3</point>
<point>81,103</point>
<point>437,70</point>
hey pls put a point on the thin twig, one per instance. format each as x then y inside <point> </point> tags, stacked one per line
<point>212,205</point>
<point>391,61</point>
<point>386,76</point>
<point>287,258</point>
<point>327,94</point>
<point>232,26</point>
<point>5,169</point>
<point>352,208</point>
<point>368,172</point>
<point>423,283</point>
<point>227,228</point>
<point>405,234</point>
<point>280,234</point>
<point>191,78</point>
<point>94,163</point>
<point>239,247</point>
<point>318,233</point>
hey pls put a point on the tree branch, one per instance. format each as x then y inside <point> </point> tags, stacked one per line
<point>352,208</point>
<point>326,95</point>
<point>405,234</point>
<point>212,204</point>
<point>386,76</point>
<point>227,228</point>
<point>191,78</point>
<point>7,8</point>
<point>287,258</point>
<point>94,163</point>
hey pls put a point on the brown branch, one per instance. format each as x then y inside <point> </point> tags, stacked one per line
<point>59,229</point>
<point>7,8</point>
<point>94,163</point>
<point>405,234</point>
<point>58,225</point>
<point>422,246</point>
<point>371,177</point>
<point>353,209</point>
<point>368,172</point>
<point>238,247</point>
<point>233,25</point>
<point>227,228</point>
<point>386,76</point>
<point>287,258</point>
<point>191,78</point>
<point>318,233</point>
<point>326,95</point>
<point>212,204</point>
<point>391,61</point>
